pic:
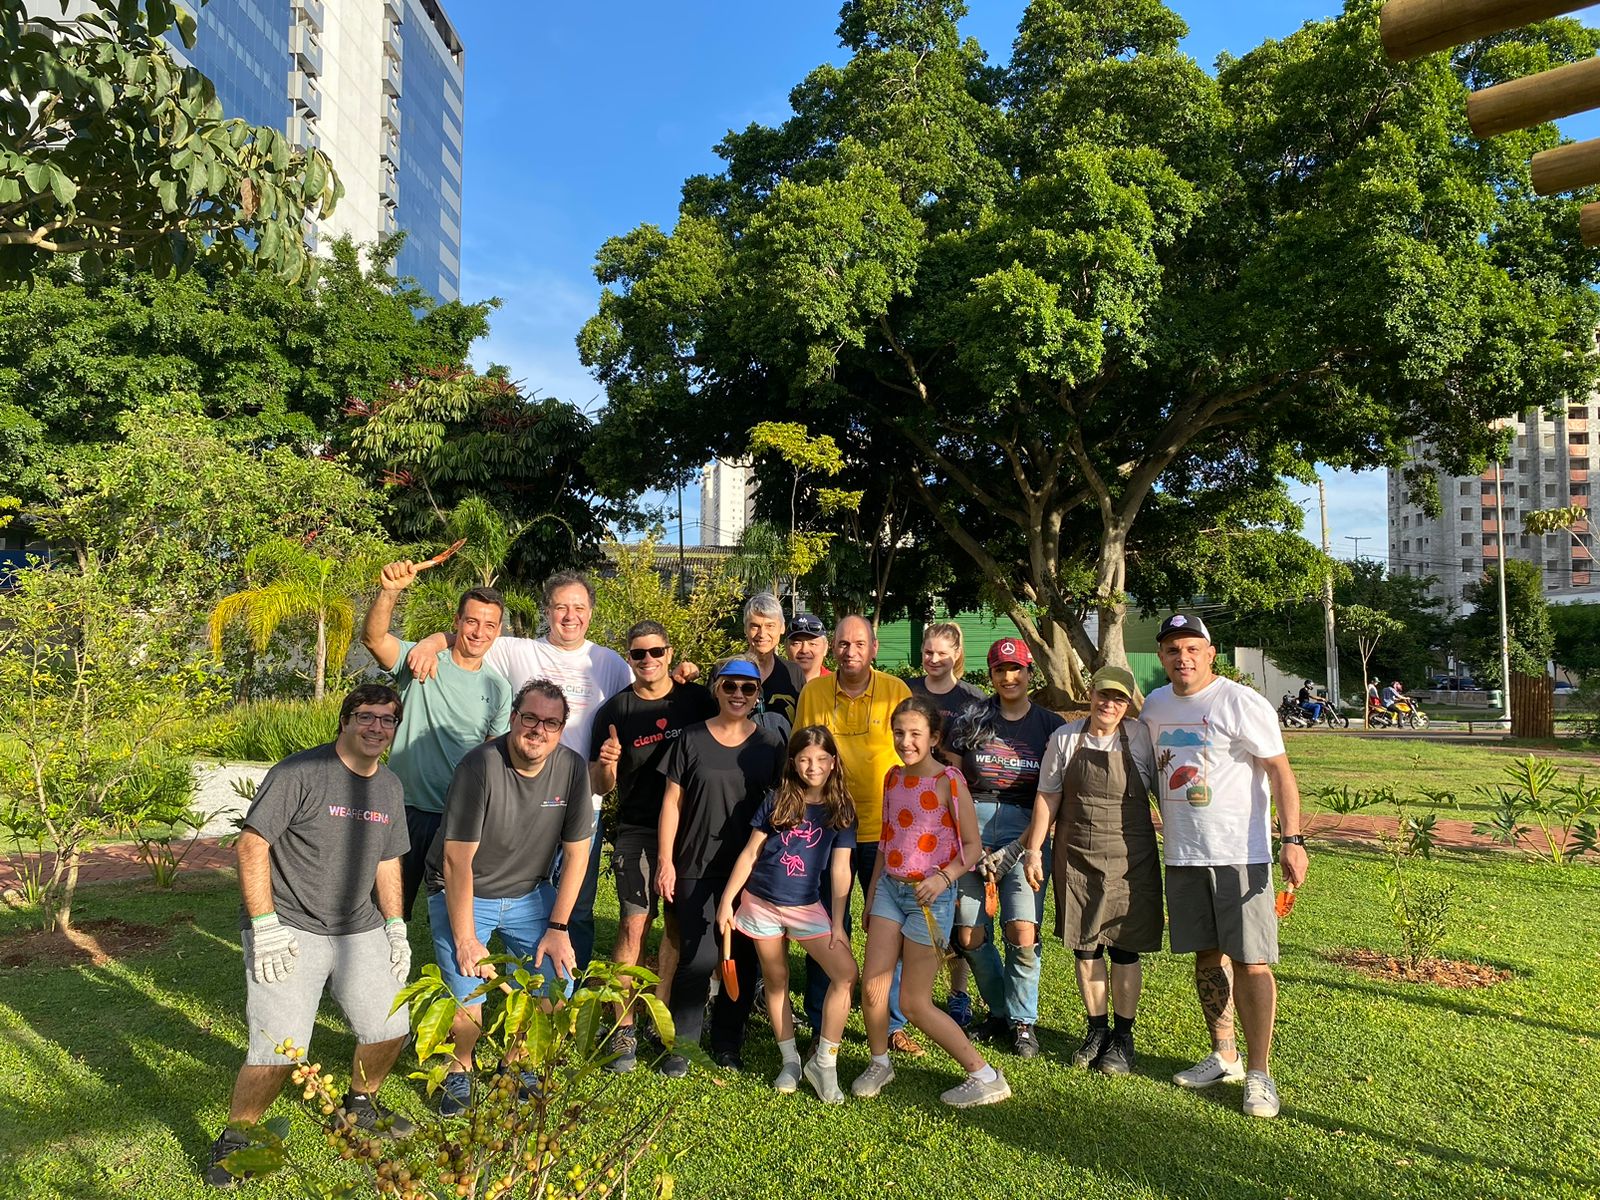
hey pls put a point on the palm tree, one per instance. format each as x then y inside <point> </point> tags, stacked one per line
<point>291,582</point>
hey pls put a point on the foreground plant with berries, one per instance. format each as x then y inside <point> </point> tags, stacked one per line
<point>537,1123</point>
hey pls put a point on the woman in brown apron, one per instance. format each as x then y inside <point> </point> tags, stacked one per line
<point>1094,785</point>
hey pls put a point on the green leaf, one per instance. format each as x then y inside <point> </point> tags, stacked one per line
<point>661,1016</point>
<point>255,1160</point>
<point>62,188</point>
<point>37,175</point>
<point>167,193</point>
<point>278,1127</point>
<point>434,1026</point>
<point>186,25</point>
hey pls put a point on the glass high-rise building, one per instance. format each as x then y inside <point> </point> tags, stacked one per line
<point>378,85</point>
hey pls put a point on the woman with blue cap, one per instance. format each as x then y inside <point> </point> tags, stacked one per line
<point>717,775</point>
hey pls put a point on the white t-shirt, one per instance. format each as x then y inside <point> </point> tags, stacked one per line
<point>1216,799</point>
<point>588,676</point>
<point>1065,741</point>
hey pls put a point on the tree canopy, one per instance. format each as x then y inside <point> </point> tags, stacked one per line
<point>1097,301</point>
<point>109,145</point>
<point>1527,623</point>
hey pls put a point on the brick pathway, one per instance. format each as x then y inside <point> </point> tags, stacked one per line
<point>121,862</point>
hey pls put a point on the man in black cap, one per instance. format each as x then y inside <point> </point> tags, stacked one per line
<point>1220,767</point>
<point>807,644</point>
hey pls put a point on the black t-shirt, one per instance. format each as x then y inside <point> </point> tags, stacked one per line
<point>1005,768</point>
<point>647,730</point>
<point>723,786</point>
<point>328,829</point>
<point>952,703</point>
<point>780,691</point>
<point>518,823</point>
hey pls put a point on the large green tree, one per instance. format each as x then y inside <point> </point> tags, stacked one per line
<point>271,362</point>
<point>1527,623</point>
<point>1100,299</point>
<point>1575,633</point>
<point>110,145</point>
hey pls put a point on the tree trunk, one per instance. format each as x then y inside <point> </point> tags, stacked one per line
<point>319,684</point>
<point>58,912</point>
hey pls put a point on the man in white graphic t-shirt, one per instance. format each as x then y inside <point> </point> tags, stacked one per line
<point>1220,766</point>
<point>587,674</point>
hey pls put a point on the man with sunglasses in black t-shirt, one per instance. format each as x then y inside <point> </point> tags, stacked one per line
<point>632,733</point>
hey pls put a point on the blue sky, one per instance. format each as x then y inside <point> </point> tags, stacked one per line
<point>583,120</point>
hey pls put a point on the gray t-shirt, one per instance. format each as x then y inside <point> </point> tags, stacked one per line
<point>518,823</point>
<point>329,828</point>
<point>444,718</point>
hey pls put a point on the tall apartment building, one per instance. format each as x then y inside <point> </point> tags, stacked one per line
<point>727,502</point>
<point>378,85</point>
<point>1548,467</point>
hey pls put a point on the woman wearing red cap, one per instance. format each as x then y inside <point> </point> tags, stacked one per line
<point>1002,744</point>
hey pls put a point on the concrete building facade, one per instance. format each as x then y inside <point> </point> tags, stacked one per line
<point>377,85</point>
<point>1548,467</point>
<point>727,502</point>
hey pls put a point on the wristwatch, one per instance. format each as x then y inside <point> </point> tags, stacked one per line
<point>561,926</point>
<point>1293,839</point>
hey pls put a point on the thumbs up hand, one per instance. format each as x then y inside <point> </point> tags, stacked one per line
<point>611,748</point>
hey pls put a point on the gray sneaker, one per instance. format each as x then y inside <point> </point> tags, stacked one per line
<point>1213,1068</point>
<point>1260,1095</point>
<point>788,1079</point>
<point>825,1080</point>
<point>873,1080</point>
<point>622,1047</point>
<point>973,1092</point>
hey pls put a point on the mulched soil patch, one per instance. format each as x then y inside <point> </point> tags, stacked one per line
<point>89,942</point>
<point>1441,972</point>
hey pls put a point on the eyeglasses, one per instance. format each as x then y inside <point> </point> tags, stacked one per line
<point>731,688</point>
<point>548,724</point>
<point>382,720</point>
<point>1112,698</point>
<point>638,655</point>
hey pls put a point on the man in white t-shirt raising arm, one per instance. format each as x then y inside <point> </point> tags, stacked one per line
<point>587,674</point>
<point>1220,766</point>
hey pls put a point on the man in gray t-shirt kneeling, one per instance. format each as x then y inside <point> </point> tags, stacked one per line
<point>513,802</point>
<point>326,830</point>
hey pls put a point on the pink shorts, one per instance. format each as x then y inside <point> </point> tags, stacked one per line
<point>762,919</point>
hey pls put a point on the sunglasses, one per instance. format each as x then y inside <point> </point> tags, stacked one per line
<point>731,688</point>
<point>639,655</point>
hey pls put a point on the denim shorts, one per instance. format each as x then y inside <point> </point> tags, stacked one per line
<point>520,921</point>
<point>762,919</point>
<point>896,900</point>
<point>1001,824</point>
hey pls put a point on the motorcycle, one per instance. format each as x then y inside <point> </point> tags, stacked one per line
<point>1403,714</point>
<point>1291,715</point>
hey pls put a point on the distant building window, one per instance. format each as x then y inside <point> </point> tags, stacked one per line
<point>1577,413</point>
<point>1466,539</point>
<point>1549,489</point>
<point>1578,464</point>
<point>1522,541</point>
<point>1578,489</point>
<point>1466,514</point>
<point>1466,487</point>
<point>1578,439</point>
<point>1466,564</point>
<point>1547,439</point>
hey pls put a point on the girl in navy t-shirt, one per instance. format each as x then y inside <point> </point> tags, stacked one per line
<point>802,834</point>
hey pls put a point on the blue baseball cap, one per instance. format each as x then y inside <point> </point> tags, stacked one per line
<point>738,668</point>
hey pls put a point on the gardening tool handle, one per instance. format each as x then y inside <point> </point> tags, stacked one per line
<point>727,943</point>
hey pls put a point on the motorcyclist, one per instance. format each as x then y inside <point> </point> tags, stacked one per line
<point>1310,703</point>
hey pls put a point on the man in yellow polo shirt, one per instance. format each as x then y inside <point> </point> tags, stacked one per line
<point>855,704</point>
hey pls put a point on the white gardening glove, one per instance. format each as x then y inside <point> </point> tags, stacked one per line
<point>399,948</point>
<point>273,949</point>
<point>998,863</point>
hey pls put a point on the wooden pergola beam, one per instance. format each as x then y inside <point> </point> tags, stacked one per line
<point>1535,99</point>
<point>1412,28</point>
<point>1567,168</point>
<point>1589,225</point>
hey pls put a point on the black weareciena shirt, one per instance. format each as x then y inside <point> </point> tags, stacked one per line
<point>647,729</point>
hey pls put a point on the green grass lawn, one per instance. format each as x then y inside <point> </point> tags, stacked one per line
<point>114,1079</point>
<point>1321,758</point>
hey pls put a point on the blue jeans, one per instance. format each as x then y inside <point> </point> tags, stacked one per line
<point>1010,989</point>
<point>863,858</point>
<point>520,921</point>
<point>581,922</point>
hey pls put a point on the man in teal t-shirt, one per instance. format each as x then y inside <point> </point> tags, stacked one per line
<point>462,706</point>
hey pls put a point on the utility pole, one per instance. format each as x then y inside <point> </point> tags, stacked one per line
<point>1505,628</point>
<point>1330,645</point>
<point>682,589</point>
<point>1357,541</point>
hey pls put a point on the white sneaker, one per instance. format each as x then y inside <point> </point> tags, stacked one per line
<point>873,1080</point>
<point>972,1092</point>
<point>1209,1070</point>
<point>1260,1095</point>
<point>788,1079</point>
<point>824,1080</point>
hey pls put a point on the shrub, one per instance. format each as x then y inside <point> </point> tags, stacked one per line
<point>270,730</point>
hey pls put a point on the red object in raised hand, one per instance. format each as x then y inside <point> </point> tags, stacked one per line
<point>443,555</point>
<point>1285,901</point>
<point>730,969</point>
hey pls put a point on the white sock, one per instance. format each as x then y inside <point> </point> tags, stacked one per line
<point>787,1049</point>
<point>985,1074</point>
<point>827,1053</point>
<point>880,1060</point>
